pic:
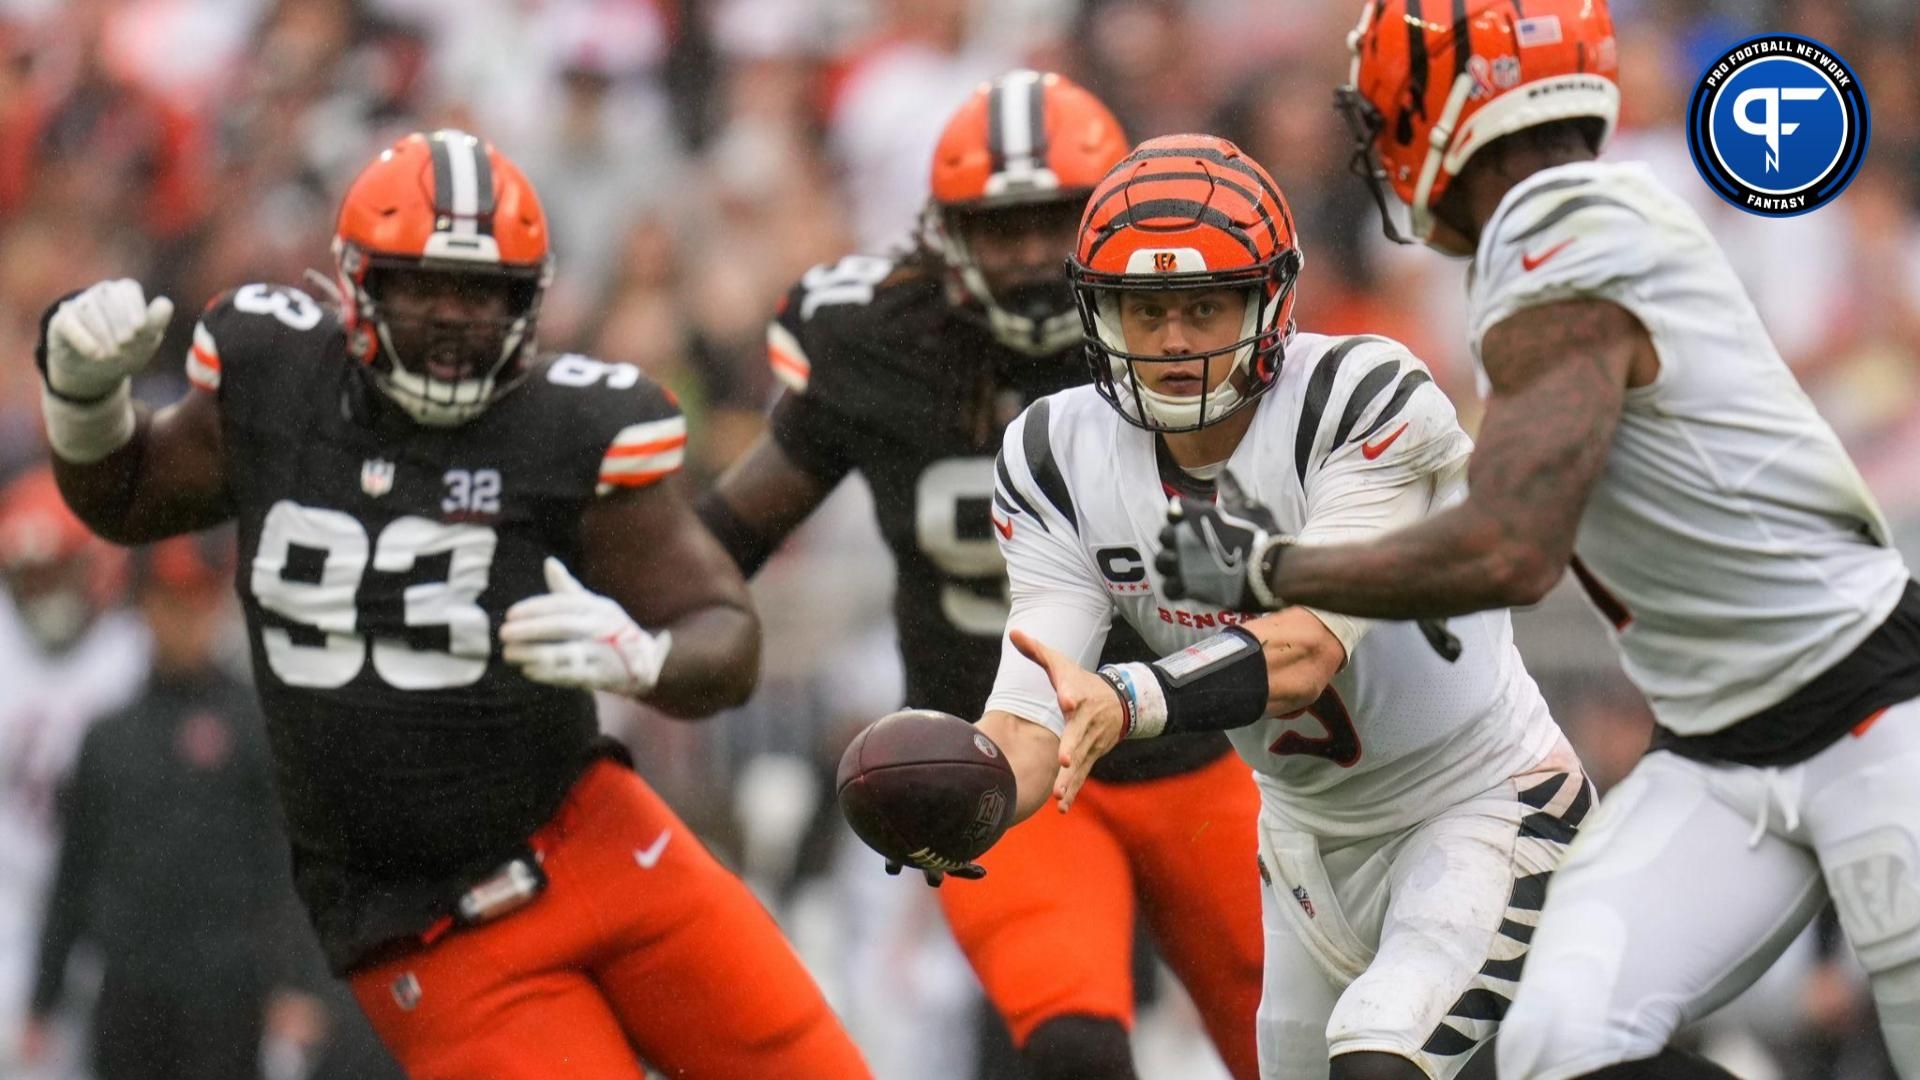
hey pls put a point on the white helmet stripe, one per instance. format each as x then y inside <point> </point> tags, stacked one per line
<point>463,179</point>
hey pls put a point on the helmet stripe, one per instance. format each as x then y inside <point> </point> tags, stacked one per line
<point>442,177</point>
<point>462,183</point>
<point>1187,209</point>
<point>1016,123</point>
<point>1417,70</point>
<point>482,188</point>
<point>1207,153</point>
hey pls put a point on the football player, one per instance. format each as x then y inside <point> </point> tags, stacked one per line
<point>447,541</point>
<point>908,371</point>
<point>1412,806</point>
<point>68,655</point>
<point>1637,412</point>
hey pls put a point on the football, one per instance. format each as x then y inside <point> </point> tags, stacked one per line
<point>919,781</point>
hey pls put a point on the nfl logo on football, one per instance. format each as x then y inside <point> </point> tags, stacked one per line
<point>376,477</point>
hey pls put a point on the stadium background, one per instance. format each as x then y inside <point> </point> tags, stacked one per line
<point>696,156</point>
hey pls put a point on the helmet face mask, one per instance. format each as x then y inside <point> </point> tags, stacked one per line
<point>1365,122</point>
<point>1011,173</point>
<point>442,261</point>
<point>1007,259</point>
<point>1231,376</point>
<point>450,339</point>
<point>1186,214</point>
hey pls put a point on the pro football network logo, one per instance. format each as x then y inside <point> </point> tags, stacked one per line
<point>1778,125</point>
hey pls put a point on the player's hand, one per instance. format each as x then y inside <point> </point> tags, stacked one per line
<point>1096,720</point>
<point>1209,549</point>
<point>99,338</point>
<point>969,871</point>
<point>572,637</point>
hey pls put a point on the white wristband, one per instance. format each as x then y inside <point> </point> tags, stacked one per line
<point>83,432</point>
<point>1257,573</point>
<point>1145,698</point>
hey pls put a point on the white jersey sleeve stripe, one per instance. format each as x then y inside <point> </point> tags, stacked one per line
<point>788,360</point>
<point>643,438</point>
<point>203,360</point>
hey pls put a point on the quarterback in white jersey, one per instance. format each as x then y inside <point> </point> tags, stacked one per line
<point>1639,414</point>
<point>1416,795</point>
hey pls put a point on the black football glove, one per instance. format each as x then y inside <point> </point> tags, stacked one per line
<point>1206,547</point>
<point>968,871</point>
<point>1207,551</point>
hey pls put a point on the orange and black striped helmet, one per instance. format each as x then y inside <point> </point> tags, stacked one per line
<point>447,203</point>
<point>1186,212</point>
<point>1431,83</point>
<point>1025,139</point>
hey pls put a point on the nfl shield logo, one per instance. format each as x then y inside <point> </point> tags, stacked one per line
<point>376,477</point>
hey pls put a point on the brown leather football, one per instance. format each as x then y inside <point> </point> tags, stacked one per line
<point>919,781</point>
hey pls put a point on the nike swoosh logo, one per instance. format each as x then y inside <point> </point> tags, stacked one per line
<point>1374,450</point>
<point>648,857</point>
<point>1530,262</point>
<point>1229,563</point>
<point>1004,528</point>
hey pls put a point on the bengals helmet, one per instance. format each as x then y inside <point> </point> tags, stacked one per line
<point>1186,212</point>
<point>1427,89</point>
<point>59,575</point>
<point>1026,139</point>
<point>444,203</point>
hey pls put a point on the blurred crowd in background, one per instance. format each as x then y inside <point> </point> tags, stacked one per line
<point>695,157</point>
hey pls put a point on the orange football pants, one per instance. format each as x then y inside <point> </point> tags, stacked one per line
<point>641,947</point>
<point>1049,930</point>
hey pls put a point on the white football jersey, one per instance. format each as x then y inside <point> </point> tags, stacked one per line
<point>1352,441</point>
<point>46,707</point>
<point>1729,539</point>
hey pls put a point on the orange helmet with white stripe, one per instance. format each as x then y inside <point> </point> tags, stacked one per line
<point>449,205</point>
<point>1186,212</point>
<point>1025,142</point>
<point>1431,84</point>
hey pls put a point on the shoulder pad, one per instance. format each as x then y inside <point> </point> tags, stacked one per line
<point>633,423</point>
<point>253,317</point>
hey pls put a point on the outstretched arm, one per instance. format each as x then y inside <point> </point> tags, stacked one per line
<point>1298,655</point>
<point>663,615</point>
<point>683,584</point>
<point>131,475</point>
<point>1559,373</point>
<point>758,501</point>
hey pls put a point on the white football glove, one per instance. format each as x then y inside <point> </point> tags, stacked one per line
<point>96,340</point>
<point>572,637</point>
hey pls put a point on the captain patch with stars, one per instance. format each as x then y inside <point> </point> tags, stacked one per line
<point>1778,125</point>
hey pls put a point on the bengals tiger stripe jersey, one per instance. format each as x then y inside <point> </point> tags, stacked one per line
<point>1353,440</point>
